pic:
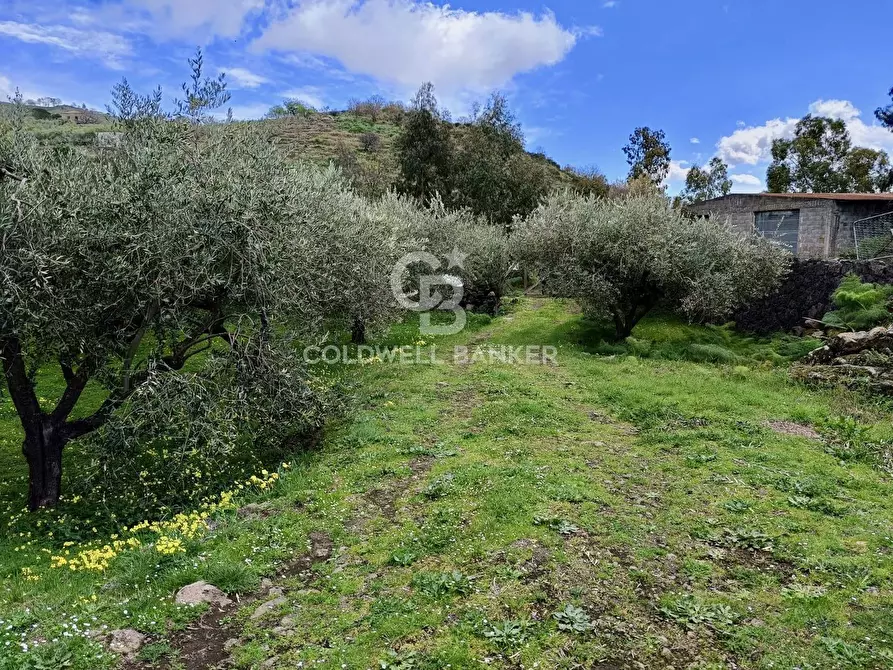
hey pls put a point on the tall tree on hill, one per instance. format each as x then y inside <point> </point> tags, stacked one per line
<point>425,148</point>
<point>820,158</point>
<point>492,174</point>
<point>706,183</point>
<point>648,155</point>
<point>885,114</point>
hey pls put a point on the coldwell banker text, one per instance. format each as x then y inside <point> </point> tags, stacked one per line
<point>430,355</point>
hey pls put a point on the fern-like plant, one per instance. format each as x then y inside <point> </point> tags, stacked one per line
<point>860,306</point>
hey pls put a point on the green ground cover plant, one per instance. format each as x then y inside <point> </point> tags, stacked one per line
<point>605,511</point>
<point>859,306</point>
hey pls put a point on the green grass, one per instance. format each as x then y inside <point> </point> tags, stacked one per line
<point>625,506</point>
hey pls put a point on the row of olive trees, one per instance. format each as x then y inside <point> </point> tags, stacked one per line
<point>180,269</point>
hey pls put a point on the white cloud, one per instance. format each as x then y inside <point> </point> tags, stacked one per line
<point>310,95</point>
<point>610,4</point>
<point>746,183</point>
<point>678,170</point>
<point>107,47</point>
<point>750,146</point>
<point>864,135</point>
<point>243,78</point>
<point>746,179</point>
<point>695,140</point>
<point>185,18</point>
<point>248,112</point>
<point>6,88</point>
<point>408,42</point>
<point>836,109</point>
<point>753,145</point>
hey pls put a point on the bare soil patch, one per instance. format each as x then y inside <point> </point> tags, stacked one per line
<point>385,497</point>
<point>796,429</point>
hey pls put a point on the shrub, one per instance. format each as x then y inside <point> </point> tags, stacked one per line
<point>588,181</point>
<point>180,438</point>
<point>860,306</point>
<point>622,257</point>
<point>291,108</point>
<point>371,108</point>
<point>370,142</point>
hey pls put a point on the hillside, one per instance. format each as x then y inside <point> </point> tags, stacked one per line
<point>319,136</point>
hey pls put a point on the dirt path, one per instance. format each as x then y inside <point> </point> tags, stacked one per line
<point>521,516</point>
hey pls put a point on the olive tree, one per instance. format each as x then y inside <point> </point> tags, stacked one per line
<point>188,247</point>
<point>482,246</point>
<point>622,257</point>
<point>453,235</point>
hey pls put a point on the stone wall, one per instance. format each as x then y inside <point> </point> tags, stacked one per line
<point>806,293</point>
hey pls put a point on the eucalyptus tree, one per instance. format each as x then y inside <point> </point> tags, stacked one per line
<point>648,155</point>
<point>711,181</point>
<point>180,264</point>
<point>821,158</point>
<point>885,114</point>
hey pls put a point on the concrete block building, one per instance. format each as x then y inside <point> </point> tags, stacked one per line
<point>812,225</point>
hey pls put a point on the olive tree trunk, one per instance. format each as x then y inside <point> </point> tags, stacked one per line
<point>46,434</point>
<point>43,451</point>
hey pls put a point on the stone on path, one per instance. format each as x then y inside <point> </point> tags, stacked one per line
<point>267,607</point>
<point>126,641</point>
<point>202,592</point>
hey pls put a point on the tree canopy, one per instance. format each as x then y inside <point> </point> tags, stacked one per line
<point>492,174</point>
<point>425,148</point>
<point>706,183</point>
<point>648,155</point>
<point>480,165</point>
<point>820,158</point>
<point>885,114</point>
<point>290,108</point>
<point>622,257</point>
<point>191,254</point>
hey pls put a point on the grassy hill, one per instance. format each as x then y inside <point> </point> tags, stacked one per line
<point>320,137</point>
<point>64,124</point>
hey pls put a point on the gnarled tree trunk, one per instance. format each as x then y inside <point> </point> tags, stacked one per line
<point>358,331</point>
<point>43,451</point>
<point>45,434</point>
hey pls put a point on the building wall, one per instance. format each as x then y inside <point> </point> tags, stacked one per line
<point>817,218</point>
<point>849,213</point>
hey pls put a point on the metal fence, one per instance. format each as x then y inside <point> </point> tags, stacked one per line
<point>873,237</point>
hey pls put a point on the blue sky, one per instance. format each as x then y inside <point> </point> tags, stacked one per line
<point>720,77</point>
